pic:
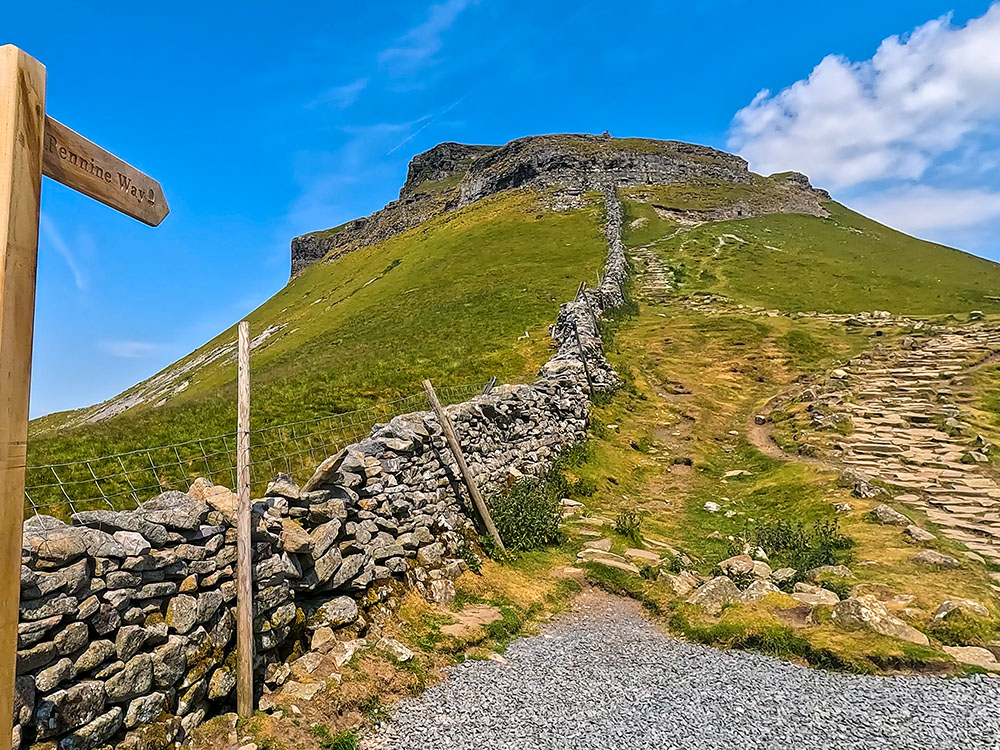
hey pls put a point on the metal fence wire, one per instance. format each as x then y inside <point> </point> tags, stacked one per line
<point>124,480</point>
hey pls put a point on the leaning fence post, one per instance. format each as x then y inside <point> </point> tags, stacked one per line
<point>456,449</point>
<point>244,552</point>
<point>593,315</point>
<point>583,358</point>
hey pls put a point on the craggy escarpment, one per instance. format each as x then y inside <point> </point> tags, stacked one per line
<point>453,175</point>
<point>127,618</point>
<point>431,188</point>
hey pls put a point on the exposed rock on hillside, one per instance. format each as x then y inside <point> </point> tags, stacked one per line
<point>452,175</point>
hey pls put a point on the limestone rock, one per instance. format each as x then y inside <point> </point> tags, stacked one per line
<point>814,595</point>
<point>973,655</point>
<point>134,680</point>
<point>867,612</point>
<point>336,613</point>
<point>933,559</point>
<point>757,590</point>
<point>95,734</point>
<point>715,594</point>
<point>918,534</point>
<point>69,708</point>
<point>969,606</point>
<point>886,515</point>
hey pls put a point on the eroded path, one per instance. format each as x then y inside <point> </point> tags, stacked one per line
<point>606,677</point>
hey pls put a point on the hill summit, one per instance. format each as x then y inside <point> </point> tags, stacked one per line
<point>453,175</point>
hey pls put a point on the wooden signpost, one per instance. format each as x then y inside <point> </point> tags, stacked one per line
<point>32,144</point>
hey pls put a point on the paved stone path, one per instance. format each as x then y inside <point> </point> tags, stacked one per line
<point>606,678</point>
<point>655,280</point>
<point>908,430</point>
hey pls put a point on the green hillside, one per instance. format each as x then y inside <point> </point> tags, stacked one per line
<point>450,299</point>
<point>844,263</point>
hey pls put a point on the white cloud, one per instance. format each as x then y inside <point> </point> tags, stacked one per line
<point>125,349</point>
<point>54,237</point>
<point>343,96</point>
<point>918,98</point>
<point>919,208</point>
<point>419,45</point>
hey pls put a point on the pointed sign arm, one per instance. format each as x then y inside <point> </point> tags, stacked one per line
<point>71,159</point>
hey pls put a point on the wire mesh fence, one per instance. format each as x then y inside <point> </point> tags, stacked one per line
<point>123,480</point>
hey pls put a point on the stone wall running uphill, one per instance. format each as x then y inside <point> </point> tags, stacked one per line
<point>127,618</point>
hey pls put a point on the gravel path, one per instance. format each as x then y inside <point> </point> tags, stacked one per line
<point>607,678</point>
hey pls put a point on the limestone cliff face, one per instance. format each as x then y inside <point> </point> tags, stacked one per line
<point>452,175</point>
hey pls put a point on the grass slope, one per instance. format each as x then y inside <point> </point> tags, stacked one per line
<point>447,300</point>
<point>844,263</point>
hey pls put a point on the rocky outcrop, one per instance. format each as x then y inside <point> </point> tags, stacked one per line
<point>127,618</point>
<point>453,175</point>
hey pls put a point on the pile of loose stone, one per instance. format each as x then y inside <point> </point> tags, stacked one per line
<point>127,618</point>
<point>901,409</point>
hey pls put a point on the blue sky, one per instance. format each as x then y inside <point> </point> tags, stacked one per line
<point>263,121</point>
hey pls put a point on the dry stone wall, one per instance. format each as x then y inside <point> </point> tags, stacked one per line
<point>127,618</point>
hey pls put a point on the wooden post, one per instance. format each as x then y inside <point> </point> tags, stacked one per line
<point>579,290</point>
<point>583,357</point>
<point>456,449</point>
<point>22,120</point>
<point>244,557</point>
<point>593,315</point>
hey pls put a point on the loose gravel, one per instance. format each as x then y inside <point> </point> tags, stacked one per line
<point>605,677</point>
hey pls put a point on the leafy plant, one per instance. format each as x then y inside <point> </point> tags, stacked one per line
<point>628,523</point>
<point>528,514</point>
<point>341,741</point>
<point>961,628</point>
<point>798,545</point>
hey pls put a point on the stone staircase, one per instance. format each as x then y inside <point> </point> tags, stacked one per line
<point>908,432</point>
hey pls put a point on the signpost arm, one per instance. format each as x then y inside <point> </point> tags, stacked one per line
<point>244,559</point>
<point>22,118</point>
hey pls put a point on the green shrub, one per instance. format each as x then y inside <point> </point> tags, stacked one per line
<point>528,514</point>
<point>798,545</point>
<point>329,741</point>
<point>961,628</point>
<point>628,523</point>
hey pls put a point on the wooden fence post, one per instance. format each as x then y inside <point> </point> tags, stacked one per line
<point>583,358</point>
<point>244,558</point>
<point>593,315</point>
<point>456,449</point>
<point>22,123</point>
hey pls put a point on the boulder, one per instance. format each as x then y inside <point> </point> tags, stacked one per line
<point>283,486</point>
<point>784,575</point>
<point>829,571</point>
<point>868,613</point>
<point>122,521</point>
<point>969,606</point>
<point>134,680</point>
<point>814,595</point>
<point>918,534</point>
<point>885,515</point>
<point>608,559</point>
<point>934,559</point>
<point>182,613</point>
<point>94,656</point>
<point>974,656</point>
<point>95,734</point>
<point>757,591</point>
<point>336,613</point>
<point>715,594</point>
<point>175,510</point>
<point>294,538</point>
<point>70,708</point>
<point>145,709</point>
<point>737,566</point>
